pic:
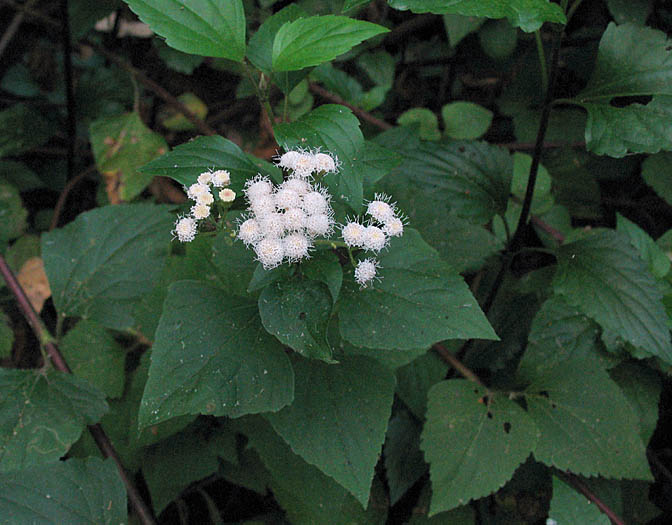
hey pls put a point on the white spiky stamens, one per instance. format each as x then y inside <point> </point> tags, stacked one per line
<point>319,224</point>
<point>250,232</point>
<point>197,191</point>
<point>205,178</point>
<point>380,209</point>
<point>394,227</point>
<point>325,163</point>
<point>366,271</point>
<point>257,187</point>
<point>227,195</point>
<point>374,238</point>
<point>185,229</point>
<point>200,211</point>
<point>315,202</point>
<point>300,186</point>
<point>295,219</point>
<point>296,246</point>
<point>286,198</point>
<point>270,252</point>
<point>272,224</point>
<point>353,234</point>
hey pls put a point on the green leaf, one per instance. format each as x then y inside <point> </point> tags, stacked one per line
<point>100,264</point>
<point>173,120</point>
<point>650,252</point>
<point>19,175</point>
<point>529,15</point>
<point>419,297</point>
<point>173,464</point>
<point>416,378</point>
<point>404,463</point>
<point>322,427</point>
<point>83,15</point>
<point>187,161</point>
<point>6,337</point>
<point>12,213</point>
<point>586,425</point>
<point>41,415</point>
<point>483,429</point>
<point>121,145</point>
<point>76,492</point>
<point>325,267</point>
<point>297,313</point>
<point>465,120</point>
<point>23,129</point>
<point>568,506</point>
<point>211,29</point>
<point>632,61</point>
<point>22,249</point>
<point>335,129</point>
<point>94,355</point>
<point>424,119</point>
<point>311,41</point>
<point>498,39</point>
<point>630,11</point>
<point>605,278</point>
<point>177,60</point>
<point>459,26</point>
<point>212,356</point>
<point>657,173</point>
<point>379,66</point>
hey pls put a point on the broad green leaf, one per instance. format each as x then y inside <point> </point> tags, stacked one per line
<point>339,82</point>
<point>121,145</point>
<point>498,39</point>
<point>379,66</point>
<point>376,161</point>
<point>212,356</point>
<point>657,173</point>
<point>586,425</point>
<point>569,506</point>
<point>465,120</point>
<point>41,415</point>
<point>418,297</point>
<point>187,161</point>
<point>650,252</point>
<point>322,426</point>
<point>529,15</point>
<point>207,28</point>
<point>325,267</point>
<point>297,312</point>
<point>634,11</point>
<point>404,463</point>
<point>632,61</point>
<point>94,355</point>
<point>100,264</point>
<point>335,129</point>
<point>75,492</point>
<point>173,464</point>
<point>488,435</point>
<point>19,175</point>
<point>604,277</point>
<point>311,41</point>
<point>351,4</point>
<point>177,60</point>
<point>307,495</point>
<point>416,378</point>
<point>459,26</point>
<point>12,213</point>
<point>23,129</point>
<point>424,120</point>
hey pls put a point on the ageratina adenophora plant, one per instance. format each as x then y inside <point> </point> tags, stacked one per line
<point>336,262</point>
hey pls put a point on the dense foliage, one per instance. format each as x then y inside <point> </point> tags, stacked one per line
<point>336,262</point>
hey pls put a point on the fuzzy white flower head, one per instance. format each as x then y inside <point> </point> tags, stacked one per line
<point>205,178</point>
<point>257,187</point>
<point>221,178</point>
<point>288,160</point>
<point>262,205</point>
<point>272,224</point>
<point>286,198</point>
<point>319,224</point>
<point>296,246</point>
<point>198,191</point>
<point>270,252</point>
<point>366,271</point>
<point>250,231</point>
<point>394,227</point>
<point>206,199</point>
<point>227,195</point>
<point>316,202</point>
<point>185,229</point>
<point>353,234</point>
<point>304,165</point>
<point>374,238</point>
<point>326,163</point>
<point>380,208</point>
<point>200,211</point>
<point>295,219</point>
<point>300,186</point>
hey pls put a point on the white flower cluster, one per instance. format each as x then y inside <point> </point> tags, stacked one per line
<point>187,226</point>
<point>385,222</point>
<point>283,221</point>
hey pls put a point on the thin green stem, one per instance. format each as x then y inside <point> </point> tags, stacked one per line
<point>262,95</point>
<point>573,9</point>
<point>542,61</point>
<point>352,259</point>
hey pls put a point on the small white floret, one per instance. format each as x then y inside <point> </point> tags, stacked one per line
<point>250,231</point>
<point>272,224</point>
<point>325,163</point>
<point>295,219</point>
<point>380,209</point>
<point>200,211</point>
<point>221,178</point>
<point>315,202</point>
<point>270,252</point>
<point>353,234</point>
<point>197,191</point>
<point>227,195</point>
<point>288,160</point>
<point>304,165</point>
<point>262,205</point>
<point>257,187</point>
<point>374,238</point>
<point>319,224</point>
<point>286,198</point>
<point>394,227</point>
<point>296,246</point>
<point>206,199</point>
<point>185,229</point>
<point>205,178</point>
<point>300,186</point>
<point>366,271</point>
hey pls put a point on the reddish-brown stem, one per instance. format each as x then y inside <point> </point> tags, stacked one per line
<point>99,435</point>
<point>556,234</point>
<point>581,487</point>
<point>453,361</point>
<point>64,195</point>
<point>364,115</point>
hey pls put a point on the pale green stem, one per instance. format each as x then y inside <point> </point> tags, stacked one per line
<point>542,61</point>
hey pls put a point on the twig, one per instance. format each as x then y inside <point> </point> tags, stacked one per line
<point>364,115</point>
<point>575,482</point>
<point>556,234</point>
<point>457,364</point>
<point>47,341</point>
<point>13,27</point>
<point>64,195</point>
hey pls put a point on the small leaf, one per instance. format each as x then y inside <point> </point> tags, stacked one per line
<point>425,120</point>
<point>459,26</point>
<point>211,29</point>
<point>317,39</point>
<point>633,11</point>
<point>212,356</point>
<point>12,213</point>
<point>325,267</point>
<point>416,378</point>
<point>418,301</point>
<point>297,313</point>
<point>483,429</point>
<point>657,173</point>
<point>173,120</point>
<point>100,264</point>
<point>604,277</point>
<point>465,120</point>
<point>74,491</point>
<point>658,263</point>
<point>23,129</point>
<point>322,427</point>
<point>42,415</point>
<point>498,39</point>
<point>568,506</point>
<point>529,15</point>
<point>404,464</point>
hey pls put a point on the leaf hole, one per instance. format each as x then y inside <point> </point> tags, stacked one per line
<point>489,415</point>
<point>621,102</point>
<point>302,315</point>
<point>507,427</point>
<point>553,405</point>
<point>544,393</point>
